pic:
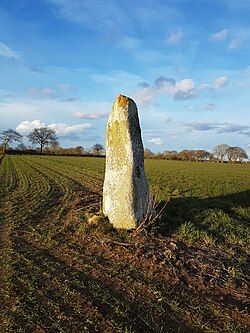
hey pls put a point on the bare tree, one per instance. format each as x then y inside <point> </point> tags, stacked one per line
<point>21,147</point>
<point>43,136</point>
<point>170,154</point>
<point>242,155</point>
<point>148,153</point>
<point>186,155</point>
<point>79,150</point>
<point>97,148</point>
<point>236,154</point>
<point>201,155</point>
<point>220,151</point>
<point>231,154</point>
<point>9,136</point>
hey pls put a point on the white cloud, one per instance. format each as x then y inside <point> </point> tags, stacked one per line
<point>219,127</point>
<point>185,89</point>
<point>220,35</point>
<point>27,126</point>
<point>156,141</point>
<point>221,82</point>
<point>67,130</point>
<point>204,86</point>
<point>51,110</point>
<point>181,90</point>
<point>94,115</point>
<point>175,37</point>
<point>145,96</point>
<point>61,129</point>
<point>7,52</point>
<point>185,85</point>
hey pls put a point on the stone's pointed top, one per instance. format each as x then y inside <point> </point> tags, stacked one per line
<point>122,101</point>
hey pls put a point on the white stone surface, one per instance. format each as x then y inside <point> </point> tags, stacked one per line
<point>125,190</point>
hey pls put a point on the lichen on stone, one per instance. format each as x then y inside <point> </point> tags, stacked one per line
<point>125,191</point>
<point>122,101</point>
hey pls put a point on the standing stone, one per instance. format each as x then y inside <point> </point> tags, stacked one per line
<point>125,191</point>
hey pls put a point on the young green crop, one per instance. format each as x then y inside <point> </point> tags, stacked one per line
<point>62,270</point>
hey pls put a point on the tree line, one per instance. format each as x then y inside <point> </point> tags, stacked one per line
<point>220,153</point>
<point>48,143</point>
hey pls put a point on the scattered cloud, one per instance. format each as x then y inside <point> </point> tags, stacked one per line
<point>234,128</point>
<point>144,84</point>
<point>153,132</point>
<point>209,107</point>
<point>221,82</point>
<point>34,68</point>
<point>26,126</point>
<point>168,119</point>
<point>48,93</point>
<point>204,86</point>
<point>92,14</point>
<point>156,141</point>
<point>71,99</point>
<point>162,80</point>
<point>6,94</point>
<point>175,37</point>
<point>220,35</point>
<point>62,129</point>
<point>235,43</point>
<point>181,90</point>
<point>42,93</point>
<point>67,130</point>
<point>7,52</point>
<point>206,107</point>
<point>65,87</point>
<point>185,89</point>
<point>220,128</point>
<point>94,115</point>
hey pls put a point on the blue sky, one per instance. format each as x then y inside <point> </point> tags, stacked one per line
<point>184,62</point>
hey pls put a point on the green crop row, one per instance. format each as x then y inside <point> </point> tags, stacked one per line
<point>61,273</point>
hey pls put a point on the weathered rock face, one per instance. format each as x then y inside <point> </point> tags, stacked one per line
<point>125,191</point>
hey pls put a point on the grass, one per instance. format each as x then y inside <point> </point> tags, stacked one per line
<point>63,268</point>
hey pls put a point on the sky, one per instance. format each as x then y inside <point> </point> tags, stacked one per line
<point>185,63</point>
